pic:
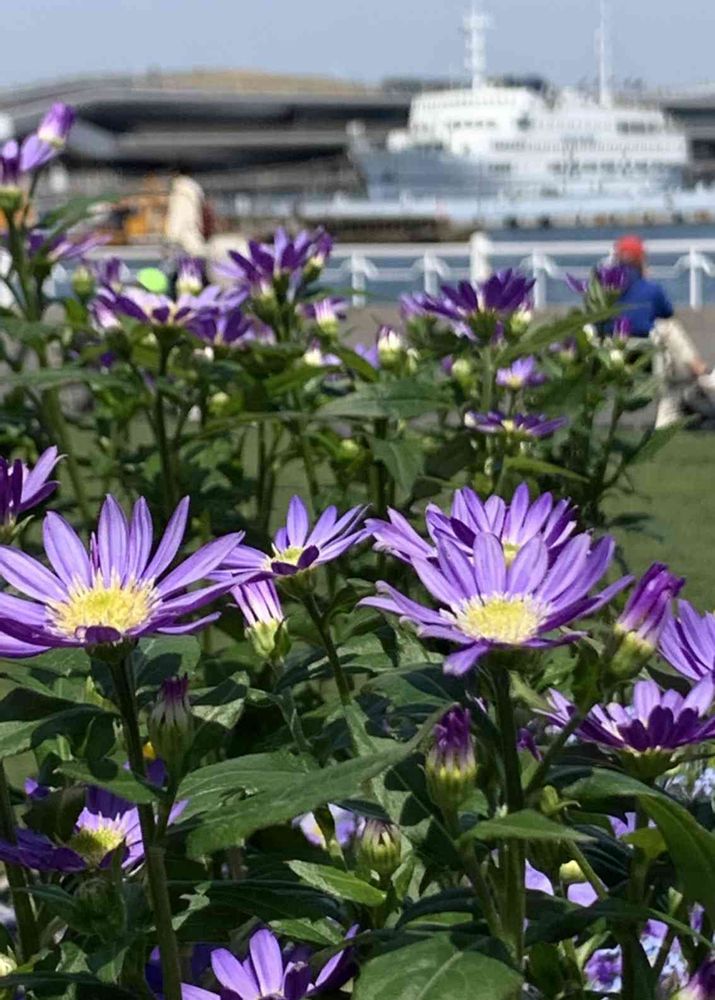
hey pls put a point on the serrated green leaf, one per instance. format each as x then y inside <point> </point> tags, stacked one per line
<point>404,460</point>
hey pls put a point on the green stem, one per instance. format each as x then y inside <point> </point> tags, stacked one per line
<point>559,741</point>
<point>472,868</point>
<point>306,455</point>
<point>162,440</point>
<point>289,711</point>
<point>513,854</point>
<point>58,430</point>
<point>598,885</point>
<point>341,680</point>
<point>122,675</point>
<point>22,904</point>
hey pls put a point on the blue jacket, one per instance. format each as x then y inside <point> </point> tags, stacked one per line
<point>644,301</point>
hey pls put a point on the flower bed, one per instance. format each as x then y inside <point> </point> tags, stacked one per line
<point>415,732</point>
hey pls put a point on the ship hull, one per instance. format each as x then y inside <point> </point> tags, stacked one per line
<point>418,173</point>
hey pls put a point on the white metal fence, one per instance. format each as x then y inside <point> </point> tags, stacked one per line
<point>360,267</point>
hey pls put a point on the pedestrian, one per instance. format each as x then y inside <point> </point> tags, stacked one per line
<point>185,216</point>
<point>687,385</point>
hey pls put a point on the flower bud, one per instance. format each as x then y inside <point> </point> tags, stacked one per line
<point>450,766</point>
<point>380,846</point>
<point>265,623</point>
<point>171,725</point>
<point>218,403</point>
<point>348,450</point>
<point>462,371</point>
<point>83,283</point>
<point>390,347</point>
<point>100,908</point>
<point>637,630</point>
<point>10,199</point>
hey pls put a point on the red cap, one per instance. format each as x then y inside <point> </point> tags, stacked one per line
<point>630,249</point>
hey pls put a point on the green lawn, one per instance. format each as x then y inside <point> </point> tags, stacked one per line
<point>676,488</point>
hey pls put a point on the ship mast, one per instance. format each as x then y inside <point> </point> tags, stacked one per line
<point>604,59</point>
<point>475,26</point>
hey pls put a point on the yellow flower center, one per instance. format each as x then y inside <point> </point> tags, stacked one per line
<point>291,555</point>
<point>95,845</point>
<point>118,606</point>
<point>511,620</point>
<point>509,426</point>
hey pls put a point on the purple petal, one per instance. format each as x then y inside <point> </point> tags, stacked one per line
<point>170,542</point>
<point>65,551</point>
<point>234,975</point>
<point>200,564</point>
<point>29,576</point>
<point>297,522</point>
<point>267,962</point>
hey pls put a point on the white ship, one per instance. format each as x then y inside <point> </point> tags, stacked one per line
<point>521,142</point>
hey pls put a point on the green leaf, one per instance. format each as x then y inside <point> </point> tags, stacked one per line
<point>63,980</point>
<point>341,884</point>
<point>524,825</point>
<point>165,656</point>
<point>265,899</point>
<point>404,460</point>
<point>436,968</point>
<point>231,824</point>
<point>401,400</point>
<point>691,846</point>
<point>17,737</point>
<point>108,774</point>
<point>535,467</point>
<point>259,772</point>
<point>358,364</point>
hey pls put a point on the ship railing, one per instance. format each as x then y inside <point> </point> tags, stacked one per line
<point>375,272</point>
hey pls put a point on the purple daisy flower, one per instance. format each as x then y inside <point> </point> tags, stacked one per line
<point>267,973</point>
<point>43,248</point>
<point>22,488</point>
<point>611,278</point>
<point>296,547</point>
<point>648,608</point>
<point>622,329</point>
<point>513,523</point>
<point>450,763</point>
<point>286,263</point>
<point>524,373</point>
<point>189,312</point>
<point>490,602</point>
<point>316,357</point>
<point>687,642</point>
<point>369,353</point>
<point>654,722</point>
<point>106,824</point>
<point>116,591</point>
<point>503,293</point>
<point>522,426</point>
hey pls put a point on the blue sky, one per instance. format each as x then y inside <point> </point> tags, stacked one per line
<point>661,41</point>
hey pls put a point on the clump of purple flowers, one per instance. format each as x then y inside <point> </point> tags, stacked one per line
<point>467,306</point>
<point>279,269</point>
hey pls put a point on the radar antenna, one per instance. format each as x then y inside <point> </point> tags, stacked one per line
<point>475,27</point>
<point>604,59</point>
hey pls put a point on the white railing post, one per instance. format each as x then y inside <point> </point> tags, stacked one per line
<point>695,276</point>
<point>479,248</point>
<point>358,281</point>
<point>431,275</point>
<point>539,270</point>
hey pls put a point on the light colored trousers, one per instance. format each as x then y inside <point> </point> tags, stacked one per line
<point>681,391</point>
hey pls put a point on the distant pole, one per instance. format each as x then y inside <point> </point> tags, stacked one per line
<point>604,67</point>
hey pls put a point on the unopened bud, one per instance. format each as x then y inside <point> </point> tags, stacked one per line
<point>83,283</point>
<point>550,802</point>
<point>348,450</point>
<point>8,964</point>
<point>100,908</point>
<point>390,347</point>
<point>218,403</point>
<point>462,371</point>
<point>380,846</point>
<point>171,725</point>
<point>10,199</point>
<point>571,873</point>
<point>270,640</point>
<point>450,765</point>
